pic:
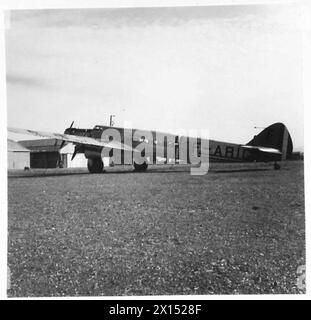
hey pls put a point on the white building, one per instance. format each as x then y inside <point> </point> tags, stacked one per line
<point>18,156</point>
<point>66,153</point>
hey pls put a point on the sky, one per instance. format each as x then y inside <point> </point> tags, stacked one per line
<point>226,69</point>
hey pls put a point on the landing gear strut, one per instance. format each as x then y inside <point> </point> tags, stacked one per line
<point>140,167</point>
<point>95,165</point>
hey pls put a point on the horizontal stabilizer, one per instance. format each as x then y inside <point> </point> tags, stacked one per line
<point>263,149</point>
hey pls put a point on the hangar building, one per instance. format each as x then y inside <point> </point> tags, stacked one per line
<point>49,153</point>
<point>18,155</point>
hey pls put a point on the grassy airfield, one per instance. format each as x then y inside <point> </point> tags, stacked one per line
<point>240,229</point>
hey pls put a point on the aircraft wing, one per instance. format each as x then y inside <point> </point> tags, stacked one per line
<point>263,149</point>
<point>74,139</point>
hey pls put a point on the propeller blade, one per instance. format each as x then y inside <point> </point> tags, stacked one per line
<point>62,144</point>
<point>74,153</point>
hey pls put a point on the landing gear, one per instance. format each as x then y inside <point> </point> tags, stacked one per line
<point>276,166</point>
<point>140,167</point>
<point>95,165</point>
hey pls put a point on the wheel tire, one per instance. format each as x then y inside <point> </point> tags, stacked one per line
<point>140,167</point>
<point>277,166</point>
<point>95,165</point>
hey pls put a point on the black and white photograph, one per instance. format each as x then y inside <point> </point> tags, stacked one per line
<point>155,150</point>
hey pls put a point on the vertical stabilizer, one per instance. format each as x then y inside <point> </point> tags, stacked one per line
<point>275,136</point>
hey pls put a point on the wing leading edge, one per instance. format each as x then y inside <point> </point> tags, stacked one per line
<point>80,140</point>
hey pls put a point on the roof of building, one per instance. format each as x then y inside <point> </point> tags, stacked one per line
<point>42,145</point>
<point>14,146</point>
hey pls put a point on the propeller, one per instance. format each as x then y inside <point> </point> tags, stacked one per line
<point>63,143</point>
<point>74,153</point>
<point>76,147</point>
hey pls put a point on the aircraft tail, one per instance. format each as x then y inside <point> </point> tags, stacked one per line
<point>275,137</point>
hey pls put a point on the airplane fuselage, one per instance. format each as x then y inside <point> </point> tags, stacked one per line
<point>166,148</point>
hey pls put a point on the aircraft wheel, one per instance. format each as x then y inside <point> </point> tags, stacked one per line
<point>140,167</point>
<point>95,165</point>
<point>277,166</point>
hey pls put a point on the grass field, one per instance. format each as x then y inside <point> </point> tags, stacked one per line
<point>236,230</point>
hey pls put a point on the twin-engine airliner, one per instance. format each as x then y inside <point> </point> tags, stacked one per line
<point>272,144</point>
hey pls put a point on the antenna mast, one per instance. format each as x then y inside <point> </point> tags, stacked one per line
<point>111,120</point>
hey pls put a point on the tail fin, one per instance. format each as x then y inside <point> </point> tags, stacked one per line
<point>275,136</point>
